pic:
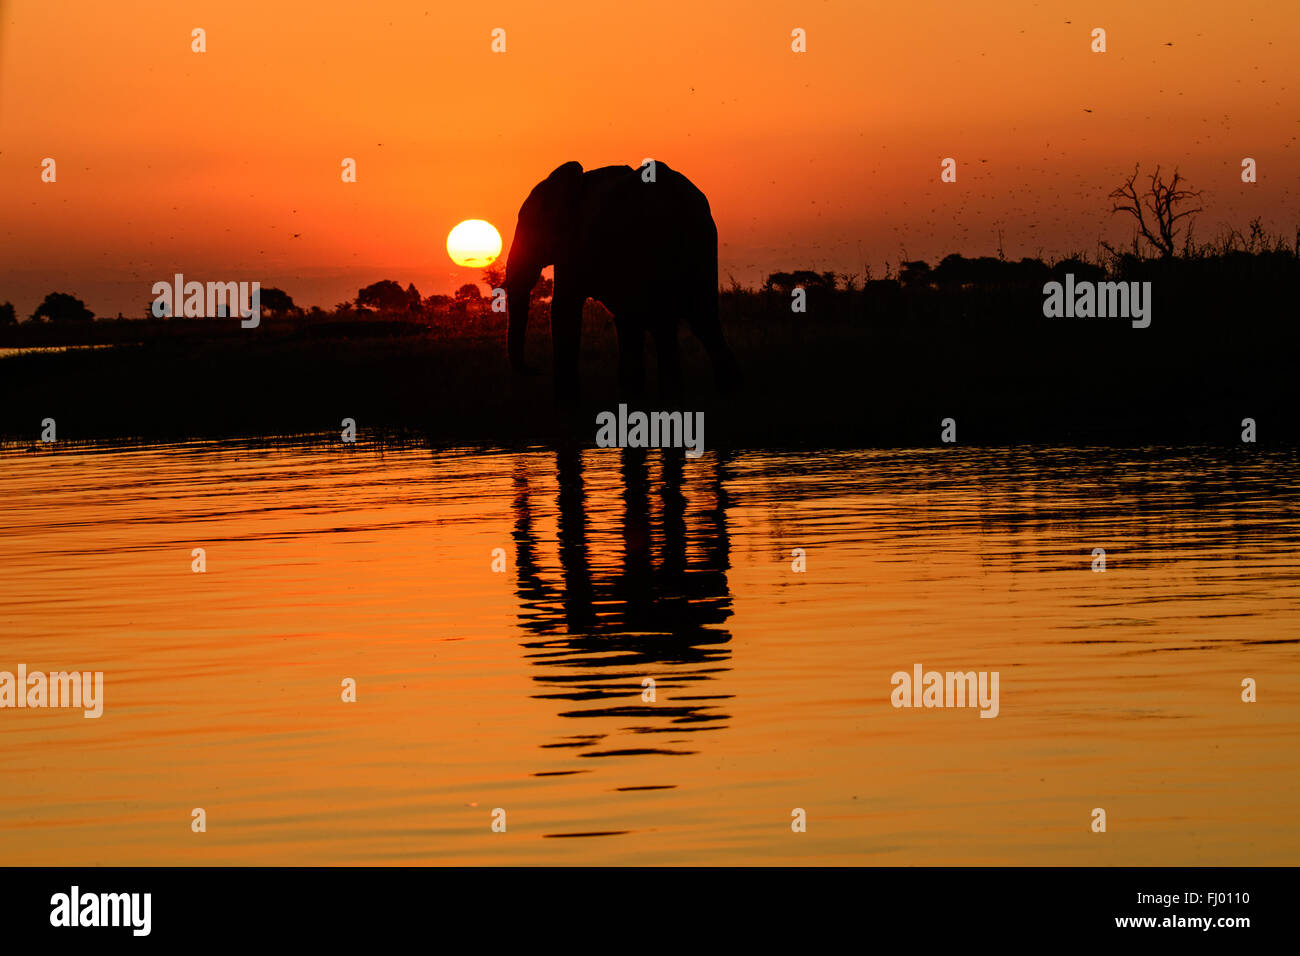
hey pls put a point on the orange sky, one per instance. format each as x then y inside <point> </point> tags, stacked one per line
<point>206,164</point>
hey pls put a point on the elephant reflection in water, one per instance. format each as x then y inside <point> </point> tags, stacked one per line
<point>601,630</point>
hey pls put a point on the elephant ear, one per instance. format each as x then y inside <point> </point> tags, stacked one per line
<point>566,180</point>
<point>563,193</point>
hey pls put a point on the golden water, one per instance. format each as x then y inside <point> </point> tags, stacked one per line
<point>522,690</point>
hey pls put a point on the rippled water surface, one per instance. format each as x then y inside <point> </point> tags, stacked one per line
<point>524,689</point>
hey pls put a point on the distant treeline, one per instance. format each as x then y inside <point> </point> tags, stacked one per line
<point>870,361</point>
<point>385,298</point>
<point>1248,257</point>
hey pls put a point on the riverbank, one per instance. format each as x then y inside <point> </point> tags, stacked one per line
<point>881,366</point>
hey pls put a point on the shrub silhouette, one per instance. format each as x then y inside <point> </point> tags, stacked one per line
<point>61,307</point>
<point>277,302</point>
<point>388,296</point>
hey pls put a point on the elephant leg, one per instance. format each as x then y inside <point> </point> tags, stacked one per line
<point>631,358</point>
<point>704,322</point>
<point>669,358</point>
<point>566,338</point>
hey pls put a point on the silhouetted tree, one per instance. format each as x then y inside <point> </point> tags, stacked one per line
<point>915,273</point>
<point>804,278</point>
<point>1029,271</point>
<point>385,295</point>
<point>277,302</point>
<point>1082,271</point>
<point>956,271</point>
<point>468,299</point>
<point>414,301</point>
<point>61,307</point>
<point>7,316</point>
<point>1156,210</point>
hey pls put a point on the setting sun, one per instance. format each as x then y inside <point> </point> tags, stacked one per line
<point>474,243</point>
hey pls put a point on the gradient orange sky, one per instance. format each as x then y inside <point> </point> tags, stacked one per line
<point>207,164</point>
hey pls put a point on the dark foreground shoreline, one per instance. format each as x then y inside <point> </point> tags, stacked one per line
<point>882,366</point>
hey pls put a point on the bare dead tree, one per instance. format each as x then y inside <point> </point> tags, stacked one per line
<point>1158,209</point>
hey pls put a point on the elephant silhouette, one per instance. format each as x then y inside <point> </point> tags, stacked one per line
<point>643,243</point>
<point>595,633</point>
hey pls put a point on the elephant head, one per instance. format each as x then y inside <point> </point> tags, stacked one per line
<point>542,238</point>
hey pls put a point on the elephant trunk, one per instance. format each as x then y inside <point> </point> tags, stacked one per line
<point>521,276</point>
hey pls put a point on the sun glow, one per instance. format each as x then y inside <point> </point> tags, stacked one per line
<point>474,243</point>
